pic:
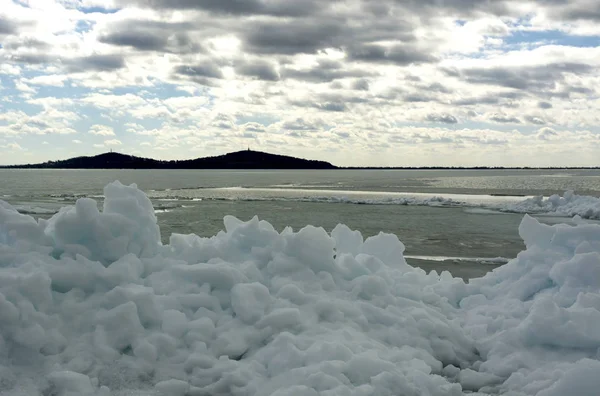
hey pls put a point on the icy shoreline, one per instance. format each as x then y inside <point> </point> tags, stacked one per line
<point>567,205</point>
<point>92,303</point>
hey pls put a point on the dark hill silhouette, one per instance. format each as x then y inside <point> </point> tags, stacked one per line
<point>247,159</point>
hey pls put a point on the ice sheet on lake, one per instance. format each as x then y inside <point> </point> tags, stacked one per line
<point>91,303</point>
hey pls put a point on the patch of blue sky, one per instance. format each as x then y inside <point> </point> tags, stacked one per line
<point>259,119</point>
<point>12,102</point>
<point>546,37</point>
<point>171,90</point>
<point>163,91</point>
<point>66,91</point>
<point>22,3</point>
<point>98,9</point>
<point>84,26</point>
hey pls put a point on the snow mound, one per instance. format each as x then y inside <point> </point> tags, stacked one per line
<point>91,303</point>
<point>570,204</point>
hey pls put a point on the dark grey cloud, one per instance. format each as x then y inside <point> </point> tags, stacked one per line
<point>141,40</point>
<point>383,10</point>
<point>441,118</point>
<point>107,62</point>
<point>157,36</point>
<point>411,77</point>
<point>505,99</point>
<point>418,98</point>
<point>7,26</point>
<point>544,105</point>
<point>33,58</point>
<point>528,78</point>
<point>96,62</point>
<point>573,10</point>
<point>260,69</point>
<point>332,106</point>
<point>504,119</point>
<point>457,7</point>
<point>580,90</point>
<point>321,105</point>
<point>325,71</point>
<point>436,87</point>
<point>397,54</point>
<point>20,42</point>
<point>292,37</point>
<point>288,8</point>
<point>200,71</point>
<point>361,85</point>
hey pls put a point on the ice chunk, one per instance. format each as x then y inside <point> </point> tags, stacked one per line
<point>67,383</point>
<point>126,225</point>
<point>582,380</point>
<point>570,204</point>
<point>173,387</point>
<point>250,301</point>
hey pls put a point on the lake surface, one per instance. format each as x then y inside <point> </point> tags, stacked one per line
<point>448,219</point>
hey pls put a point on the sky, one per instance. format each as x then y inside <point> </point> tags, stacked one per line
<point>353,82</point>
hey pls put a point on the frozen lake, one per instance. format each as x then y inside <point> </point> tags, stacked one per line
<point>455,214</point>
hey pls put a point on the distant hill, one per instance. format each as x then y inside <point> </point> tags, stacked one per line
<point>246,159</point>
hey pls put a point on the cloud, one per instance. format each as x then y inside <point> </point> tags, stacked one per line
<point>503,119</point>
<point>14,146</point>
<point>283,8</point>
<point>143,41</point>
<point>361,84</point>
<point>23,42</point>
<point>260,69</point>
<point>7,26</point>
<point>396,54</point>
<point>535,120</point>
<point>101,130</point>
<point>318,78</point>
<point>112,142</point>
<point>324,71</point>
<point>77,141</point>
<point>56,80</point>
<point>87,63</point>
<point>292,37</point>
<point>532,78</point>
<point>152,35</point>
<point>104,62</point>
<point>546,134</point>
<point>199,72</point>
<point>571,10</point>
<point>441,118</point>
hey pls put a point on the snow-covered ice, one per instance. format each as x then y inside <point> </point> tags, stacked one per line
<point>570,204</point>
<point>91,303</point>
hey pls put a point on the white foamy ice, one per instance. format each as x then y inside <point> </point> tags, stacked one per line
<point>570,204</point>
<point>92,303</point>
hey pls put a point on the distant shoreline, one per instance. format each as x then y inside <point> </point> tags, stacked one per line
<point>246,159</point>
<point>335,168</point>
